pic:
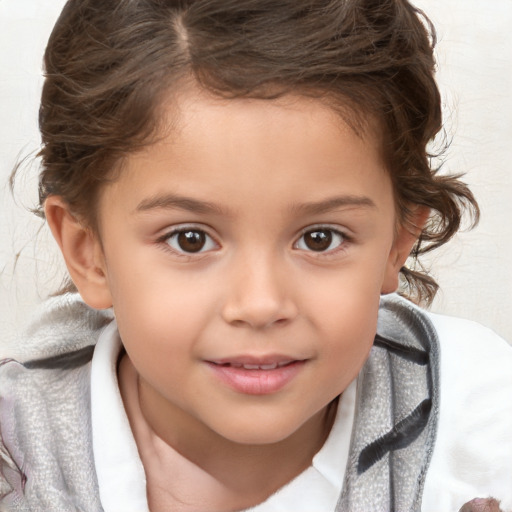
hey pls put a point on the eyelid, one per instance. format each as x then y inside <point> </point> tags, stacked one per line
<point>346,238</point>
<point>180,228</point>
<point>327,226</point>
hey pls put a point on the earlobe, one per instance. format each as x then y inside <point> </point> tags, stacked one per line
<point>405,238</point>
<point>82,253</point>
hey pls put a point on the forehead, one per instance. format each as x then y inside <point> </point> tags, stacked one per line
<point>193,103</point>
<point>291,149</point>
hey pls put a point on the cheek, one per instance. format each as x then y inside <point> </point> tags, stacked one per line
<point>159,316</point>
<point>346,318</point>
<point>346,300</point>
<point>145,285</point>
<point>350,329</point>
<point>162,338</point>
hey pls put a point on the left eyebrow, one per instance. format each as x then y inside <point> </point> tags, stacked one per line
<point>333,203</point>
<point>173,202</point>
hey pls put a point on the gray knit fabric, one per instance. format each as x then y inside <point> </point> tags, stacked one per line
<point>45,414</point>
<point>46,459</point>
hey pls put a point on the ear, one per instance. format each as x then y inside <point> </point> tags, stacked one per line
<point>405,238</point>
<point>82,253</point>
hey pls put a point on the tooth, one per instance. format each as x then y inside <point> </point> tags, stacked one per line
<point>251,366</point>
<point>284,363</point>
<point>268,366</point>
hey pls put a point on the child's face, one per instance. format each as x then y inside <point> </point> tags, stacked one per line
<point>256,233</point>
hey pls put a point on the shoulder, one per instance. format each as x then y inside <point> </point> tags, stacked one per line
<point>60,338</point>
<point>463,344</point>
<point>473,451</point>
<point>475,369</point>
<point>45,432</point>
<point>458,333</point>
<point>59,325</point>
<point>472,454</point>
<point>55,353</point>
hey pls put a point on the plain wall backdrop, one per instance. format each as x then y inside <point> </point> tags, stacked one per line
<point>475,75</point>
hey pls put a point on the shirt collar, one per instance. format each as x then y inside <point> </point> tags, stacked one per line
<point>121,476</point>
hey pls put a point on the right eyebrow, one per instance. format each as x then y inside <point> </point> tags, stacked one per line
<point>174,201</point>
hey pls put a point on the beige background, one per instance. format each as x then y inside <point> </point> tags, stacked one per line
<point>475,57</point>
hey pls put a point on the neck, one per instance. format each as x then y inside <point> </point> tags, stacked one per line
<point>183,453</point>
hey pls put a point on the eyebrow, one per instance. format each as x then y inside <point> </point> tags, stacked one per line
<point>173,201</point>
<point>334,203</point>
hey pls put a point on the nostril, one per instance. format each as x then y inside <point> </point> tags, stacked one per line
<point>259,323</point>
<point>257,315</point>
<point>258,304</point>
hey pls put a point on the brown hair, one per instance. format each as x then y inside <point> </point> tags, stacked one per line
<point>109,64</point>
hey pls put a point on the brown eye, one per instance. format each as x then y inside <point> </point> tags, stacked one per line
<point>320,240</point>
<point>190,241</point>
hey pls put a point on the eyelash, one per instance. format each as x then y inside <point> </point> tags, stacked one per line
<point>343,240</point>
<point>334,233</point>
<point>166,240</point>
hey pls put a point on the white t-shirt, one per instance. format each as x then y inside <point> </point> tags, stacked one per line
<point>472,455</point>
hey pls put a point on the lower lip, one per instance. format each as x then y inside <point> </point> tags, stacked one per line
<point>257,382</point>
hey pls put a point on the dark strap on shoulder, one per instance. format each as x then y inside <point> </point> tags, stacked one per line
<point>66,361</point>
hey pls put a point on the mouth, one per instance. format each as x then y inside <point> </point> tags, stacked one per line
<point>257,376</point>
<point>255,366</point>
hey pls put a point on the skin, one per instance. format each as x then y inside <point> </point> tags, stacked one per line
<point>482,505</point>
<point>259,180</point>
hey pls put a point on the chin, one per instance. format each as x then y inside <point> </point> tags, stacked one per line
<point>259,432</point>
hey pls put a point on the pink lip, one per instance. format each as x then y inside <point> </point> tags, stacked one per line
<point>256,381</point>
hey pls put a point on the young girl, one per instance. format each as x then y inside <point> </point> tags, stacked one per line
<point>235,187</point>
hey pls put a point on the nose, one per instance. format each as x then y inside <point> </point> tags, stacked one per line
<point>259,294</point>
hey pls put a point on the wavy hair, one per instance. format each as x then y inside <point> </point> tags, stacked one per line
<point>110,63</point>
